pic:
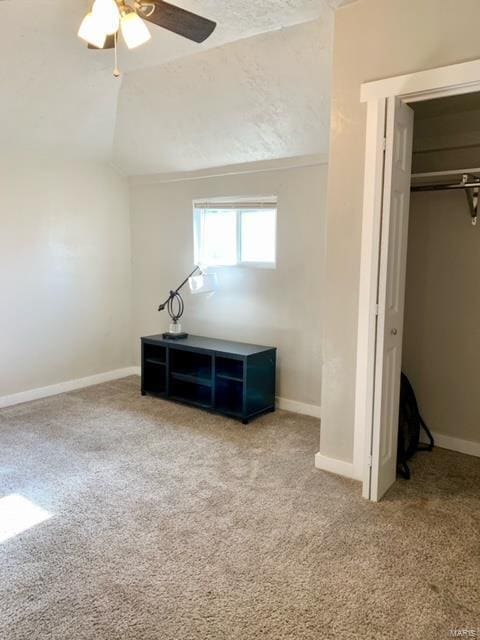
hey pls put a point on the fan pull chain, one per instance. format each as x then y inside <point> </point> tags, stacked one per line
<point>116,71</point>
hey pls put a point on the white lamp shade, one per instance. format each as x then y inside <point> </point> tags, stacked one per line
<point>204,283</point>
<point>134,30</point>
<point>92,32</point>
<point>107,14</point>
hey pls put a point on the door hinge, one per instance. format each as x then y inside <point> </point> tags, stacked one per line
<point>377,310</point>
<point>369,461</point>
<point>384,144</point>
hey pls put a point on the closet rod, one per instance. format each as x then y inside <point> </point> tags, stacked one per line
<point>469,183</point>
<point>471,171</point>
<point>444,187</point>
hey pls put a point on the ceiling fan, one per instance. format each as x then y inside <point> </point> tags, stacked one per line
<point>108,18</point>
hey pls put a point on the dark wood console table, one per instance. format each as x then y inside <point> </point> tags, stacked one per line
<point>231,378</point>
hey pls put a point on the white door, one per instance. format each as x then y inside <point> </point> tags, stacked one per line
<point>391,296</point>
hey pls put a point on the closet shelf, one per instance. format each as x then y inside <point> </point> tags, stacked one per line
<point>465,179</point>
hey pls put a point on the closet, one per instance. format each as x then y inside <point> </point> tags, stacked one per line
<point>441,340</point>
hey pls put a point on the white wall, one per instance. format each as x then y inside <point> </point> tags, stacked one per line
<point>281,307</point>
<point>373,39</point>
<point>65,274</point>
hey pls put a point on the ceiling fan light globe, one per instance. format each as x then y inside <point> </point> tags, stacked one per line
<point>92,31</point>
<point>107,14</point>
<point>134,30</point>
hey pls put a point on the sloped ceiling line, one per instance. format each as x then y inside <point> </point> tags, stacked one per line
<point>60,99</point>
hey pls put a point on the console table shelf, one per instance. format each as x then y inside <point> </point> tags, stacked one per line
<point>231,378</point>
<point>185,377</point>
<point>156,361</point>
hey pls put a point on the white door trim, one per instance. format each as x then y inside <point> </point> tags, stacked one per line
<point>367,311</point>
<point>422,85</point>
<point>451,80</point>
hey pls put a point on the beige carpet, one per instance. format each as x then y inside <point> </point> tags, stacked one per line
<point>172,524</point>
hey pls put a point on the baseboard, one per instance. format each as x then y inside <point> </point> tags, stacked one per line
<point>456,444</point>
<point>285,404</point>
<point>298,407</point>
<point>347,469</point>
<point>333,465</point>
<point>63,387</point>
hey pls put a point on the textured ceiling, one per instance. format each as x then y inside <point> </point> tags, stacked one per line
<point>236,19</point>
<point>58,98</point>
<point>260,98</point>
<point>55,97</point>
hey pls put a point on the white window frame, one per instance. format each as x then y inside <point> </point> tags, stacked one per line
<point>239,206</point>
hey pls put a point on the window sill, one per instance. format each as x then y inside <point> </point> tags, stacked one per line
<point>243,265</point>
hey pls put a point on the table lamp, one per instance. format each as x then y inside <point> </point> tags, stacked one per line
<point>199,283</point>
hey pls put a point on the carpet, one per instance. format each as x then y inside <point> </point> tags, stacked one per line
<point>169,523</point>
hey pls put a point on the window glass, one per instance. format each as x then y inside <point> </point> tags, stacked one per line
<point>234,235</point>
<point>218,237</point>
<point>258,236</point>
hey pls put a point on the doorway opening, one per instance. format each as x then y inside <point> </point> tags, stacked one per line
<point>441,328</point>
<point>408,315</point>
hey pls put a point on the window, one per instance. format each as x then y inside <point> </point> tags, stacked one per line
<point>235,233</point>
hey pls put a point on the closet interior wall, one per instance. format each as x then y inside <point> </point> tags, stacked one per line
<point>441,350</point>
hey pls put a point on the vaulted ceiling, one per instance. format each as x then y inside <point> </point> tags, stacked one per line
<point>256,99</point>
<point>253,91</point>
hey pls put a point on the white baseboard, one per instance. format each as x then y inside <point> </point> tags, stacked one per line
<point>71,385</point>
<point>63,387</point>
<point>456,444</point>
<point>282,403</point>
<point>333,465</point>
<point>298,407</point>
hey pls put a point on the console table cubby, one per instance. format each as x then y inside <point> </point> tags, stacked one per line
<point>231,378</point>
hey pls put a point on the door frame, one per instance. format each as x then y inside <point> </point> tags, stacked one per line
<point>422,85</point>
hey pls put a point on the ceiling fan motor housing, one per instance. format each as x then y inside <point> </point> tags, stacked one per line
<point>168,16</point>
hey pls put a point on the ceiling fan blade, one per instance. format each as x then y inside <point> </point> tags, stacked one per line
<point>109,44</point>
<point>178,20</point>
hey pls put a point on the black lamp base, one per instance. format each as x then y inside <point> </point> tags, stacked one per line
<point>174,336</point>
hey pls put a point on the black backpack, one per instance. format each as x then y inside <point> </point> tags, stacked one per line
<point>409,424</point>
